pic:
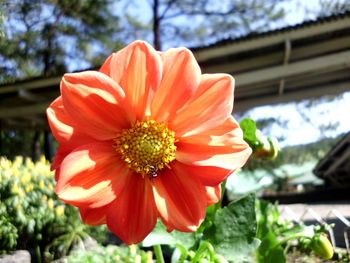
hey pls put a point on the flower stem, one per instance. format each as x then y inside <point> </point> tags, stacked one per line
<point>38,253</point>
<point>159,254</point>
<point>183,251</point>
<point>202,251</point>
<point>295,236</point>
<point>223,188</point>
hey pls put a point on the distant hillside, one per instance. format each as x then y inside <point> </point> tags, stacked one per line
<point>297,154</point>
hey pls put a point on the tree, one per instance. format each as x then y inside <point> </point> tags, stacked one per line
<point>42,37</point>
<point>329,7</point>
<point>198,22</point>
<point>48,37</point>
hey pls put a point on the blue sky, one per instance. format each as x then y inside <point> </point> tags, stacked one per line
<point>300,131</point>
<point>297,131</point>
<point>297,11</point>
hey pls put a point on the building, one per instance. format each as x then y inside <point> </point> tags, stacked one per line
<point>293,63</point>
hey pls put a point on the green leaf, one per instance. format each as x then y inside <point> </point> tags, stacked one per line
<point>267,243</point>
<point>276,255</point>
<point>269,251</point>
<point>234,230</point>
<point>249,130</point>
<point>160,236</point>
<point>298,229</point>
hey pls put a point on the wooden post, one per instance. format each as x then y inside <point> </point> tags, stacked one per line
<point>48,145</point>
<point>36,146</point>
<point>1,146</point>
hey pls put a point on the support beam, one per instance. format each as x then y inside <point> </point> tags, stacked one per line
<point>25,124</point>
<point>263,59</point>
<point>30,96</point>
<point>31,84</point>
<point>287,52</point>
<point>268,40</point>
<point>333,62</point>
<point>301,94</point>
<point>24,110</point>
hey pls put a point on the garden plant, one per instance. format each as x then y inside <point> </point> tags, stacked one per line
<point>31,215</point>
<point>146,145</point>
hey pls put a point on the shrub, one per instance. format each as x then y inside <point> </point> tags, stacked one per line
<point>112,254</point>
<point>31,215</point>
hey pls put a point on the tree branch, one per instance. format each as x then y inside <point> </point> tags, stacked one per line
<point>167,9</point>
<point>207,13</point>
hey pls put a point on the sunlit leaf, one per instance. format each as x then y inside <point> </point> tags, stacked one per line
<point>234,230</point>
<point>160,236</point>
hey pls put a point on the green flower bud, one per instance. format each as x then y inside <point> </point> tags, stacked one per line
<point>268,147</point>
<point>322,246</point>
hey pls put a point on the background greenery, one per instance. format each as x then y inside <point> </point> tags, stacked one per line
<point>31,215</point>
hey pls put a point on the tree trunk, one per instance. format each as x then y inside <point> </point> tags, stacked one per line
<point>156,26</point>
<point>48,34</point>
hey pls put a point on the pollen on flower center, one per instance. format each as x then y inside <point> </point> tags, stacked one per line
<point>146,147</point>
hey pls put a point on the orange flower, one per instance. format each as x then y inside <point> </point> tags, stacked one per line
<point>147,136</point>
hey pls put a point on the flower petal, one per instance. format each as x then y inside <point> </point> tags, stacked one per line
<point>181,200</point>
<point>181,77</point>
<point>63,127</point>
<point>94,216</point>
<point>209,106</point>
<point>137,68</point>
<point>213,194</point>
<point>61,153</point>
<point>95,104</point>
<point>132,216</point>
<point>91,176</point>
<point>222,147</point>
<point>207,175</point>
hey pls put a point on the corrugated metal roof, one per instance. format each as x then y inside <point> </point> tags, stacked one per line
<point>335,166</point>
<point>256,35</point>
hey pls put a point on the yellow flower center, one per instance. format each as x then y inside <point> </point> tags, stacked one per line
<point>146,147</point>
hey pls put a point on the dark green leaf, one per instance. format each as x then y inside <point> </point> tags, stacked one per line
<point>269,251</point>
<point>268,242</point>
<point>234,230</point>
<point>276,255</point>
